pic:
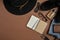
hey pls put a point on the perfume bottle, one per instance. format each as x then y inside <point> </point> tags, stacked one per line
<point>51,14</point>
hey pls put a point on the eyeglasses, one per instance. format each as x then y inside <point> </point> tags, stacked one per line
<point>42,16</point>
<point>39,13</point>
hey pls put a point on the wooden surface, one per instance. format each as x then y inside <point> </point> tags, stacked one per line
<point>57,28</point>
<point>13,27</point>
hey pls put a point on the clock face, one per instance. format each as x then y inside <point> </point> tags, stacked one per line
<point>19,7</point>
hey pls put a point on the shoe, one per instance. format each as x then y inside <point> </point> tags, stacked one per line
<point>47,5</point>
<point>58,3</point>
<point>57,17</point>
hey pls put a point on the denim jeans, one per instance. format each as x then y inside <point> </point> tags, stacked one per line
<point>51,30</point>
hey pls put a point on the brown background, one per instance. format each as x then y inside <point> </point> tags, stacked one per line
<point>13,27</point>
<point>57,28</point>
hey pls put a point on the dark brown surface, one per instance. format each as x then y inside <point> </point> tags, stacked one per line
<point>57,28</point>
<point>13,27</point>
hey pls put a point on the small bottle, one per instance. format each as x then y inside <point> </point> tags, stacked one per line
<point>51,14</point>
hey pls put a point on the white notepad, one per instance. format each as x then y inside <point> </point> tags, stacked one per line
<point>33,22</point>
<point>36,24</point>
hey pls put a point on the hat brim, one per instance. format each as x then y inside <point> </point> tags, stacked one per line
<point>14,10</point>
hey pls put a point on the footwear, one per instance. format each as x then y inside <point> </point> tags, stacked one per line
<point>57,17</point>
<point>47,5</point>
<point>58,3</point>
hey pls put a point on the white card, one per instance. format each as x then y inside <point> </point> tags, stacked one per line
<point>33,22</point>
